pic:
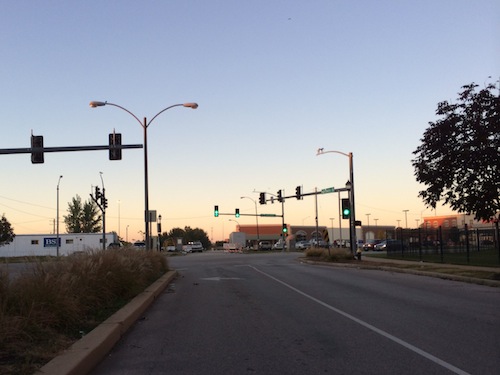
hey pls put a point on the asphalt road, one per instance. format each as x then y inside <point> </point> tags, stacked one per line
<point>271,314</point>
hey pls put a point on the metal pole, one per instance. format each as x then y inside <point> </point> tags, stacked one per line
<point>146,186</point>
<point>103,199</point>
<point>340,222</point>
<point>57,215</point>
<point>353,210</point>
<point>256,220</point>
<point>316,204</point>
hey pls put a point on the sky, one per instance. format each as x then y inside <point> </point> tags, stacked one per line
<point>274,81</point>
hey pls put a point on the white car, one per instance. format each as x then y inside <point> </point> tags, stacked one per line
<point>302,245</point>
<point>196,246</point>
<point>279,245</point>
<point>264,245</point>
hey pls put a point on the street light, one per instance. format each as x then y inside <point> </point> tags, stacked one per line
<point>256,216</point>
<point>406,218</point>
<point>350,186</point>
<point>145,124</point>
<point>57,219</point>
<point>236,221</point>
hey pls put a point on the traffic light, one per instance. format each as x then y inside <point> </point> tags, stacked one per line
<point>237,212</point>
<point>285,229</point>
<point>37,143</point>
<point>298,192</point>
<point>216,211</point>
<point>280,196</point>
<point>115,139</point>
<point>262,198</point>
<point>98,194</point>
<point>104,202</point>
<point>346,208</point>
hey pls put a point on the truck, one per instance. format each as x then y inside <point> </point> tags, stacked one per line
<point>238,238</point>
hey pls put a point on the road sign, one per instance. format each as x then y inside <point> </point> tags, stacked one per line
<point>328,190</point>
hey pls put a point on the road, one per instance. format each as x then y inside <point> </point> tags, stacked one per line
<point>271,314</point>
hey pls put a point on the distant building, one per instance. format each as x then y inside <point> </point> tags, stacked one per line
<point>46,244</point>
<point>273,232</point>
<point>454,221</point>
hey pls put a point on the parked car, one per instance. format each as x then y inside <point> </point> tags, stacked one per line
<point>318,243</point>
<point>140,244</point>
<point>196,246</point>
<point>280,245</point>
<point>302,245</point>
<point>381,246</point>
<point>115,245</point>
<point>264,245</point>
<point>369,244</point>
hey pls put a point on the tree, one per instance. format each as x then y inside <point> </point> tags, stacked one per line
<point>459,158</point>
<point>6,231</point>
<point>82,218</point>
<point>188,234</point>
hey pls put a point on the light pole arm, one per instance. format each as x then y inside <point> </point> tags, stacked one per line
<point>321,152</point>
<point>189,105</point>
<point>102,104</point>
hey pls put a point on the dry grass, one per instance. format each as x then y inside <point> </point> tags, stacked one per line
<point>55,302</point>
<point>332,255</point>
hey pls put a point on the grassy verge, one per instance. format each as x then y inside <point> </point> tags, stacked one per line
<point>329,255</point>
<point>344,256</point>
<point>55,302</point>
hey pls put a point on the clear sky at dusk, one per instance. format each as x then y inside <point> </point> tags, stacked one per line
<point>274,80</point>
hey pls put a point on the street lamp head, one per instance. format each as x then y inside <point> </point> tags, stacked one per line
<point>97,104</point>
<point>189,105</point>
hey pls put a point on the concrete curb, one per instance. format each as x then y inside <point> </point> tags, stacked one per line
<point>87,352</point>
<point>374,266</point>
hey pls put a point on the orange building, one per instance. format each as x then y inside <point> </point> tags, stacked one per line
<point>273,232</point>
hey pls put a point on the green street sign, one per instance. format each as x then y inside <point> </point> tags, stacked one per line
<point>328,190</point>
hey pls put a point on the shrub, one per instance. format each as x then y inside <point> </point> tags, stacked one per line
<point>329,255</point>
<point>53,303</point>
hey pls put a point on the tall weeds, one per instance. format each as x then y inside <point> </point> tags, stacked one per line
<point>325,255</point>
<point>55,302</point>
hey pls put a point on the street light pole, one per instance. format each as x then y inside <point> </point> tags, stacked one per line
<point>103,214</point>
<point>57,219</point>
<point>256,216</point>
<point>352,217</point>
<point>406,218</point>
<point>237,222</point>
<point>145,124</point>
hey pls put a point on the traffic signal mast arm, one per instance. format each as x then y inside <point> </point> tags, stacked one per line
<point>329,190</point>
<point>261,215</point>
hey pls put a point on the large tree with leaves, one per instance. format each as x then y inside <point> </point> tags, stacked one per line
<point>6,231</point>
<point>459,157</point>
<point>82,217</point>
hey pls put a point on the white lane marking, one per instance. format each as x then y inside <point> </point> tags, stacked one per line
<point>403,343</point>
